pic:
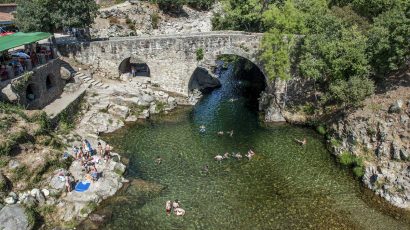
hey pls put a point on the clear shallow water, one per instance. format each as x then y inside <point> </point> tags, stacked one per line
<point>284,186</point>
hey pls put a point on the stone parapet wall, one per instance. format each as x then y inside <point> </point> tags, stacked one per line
<point>44,91</point>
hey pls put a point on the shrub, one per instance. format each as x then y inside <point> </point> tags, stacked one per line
<point>20,173</point>
<point>199,54</point>
<point>201,4</point>
<point>170,6</point>
<point>13,109</point>
<point>321,130</point>
<point>358,171</point>
<point>350,160</point>
<point>352,92</point>
<point>346,158</point>
<point>113,20</point>
<point>155,20</point>
<point>335,143</point>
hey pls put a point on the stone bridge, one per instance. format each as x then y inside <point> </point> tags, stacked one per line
<point>171,59</point>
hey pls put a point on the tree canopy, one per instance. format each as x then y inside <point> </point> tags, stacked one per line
<point>344,45</point>
<point>53,15</point>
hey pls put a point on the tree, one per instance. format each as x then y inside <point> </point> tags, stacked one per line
<point>389,46</point>
<point>53,15</point>
<point>243,15</point>
<point>352,92</point>
<point>201,4</point>
<point>171,6</point>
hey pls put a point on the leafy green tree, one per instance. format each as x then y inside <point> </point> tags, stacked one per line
<point>389,46</point>
<point>352,92</point>
<point>243,15</point>
<point>53,15</point>
<point>201,4</point>
<point>172,6</point>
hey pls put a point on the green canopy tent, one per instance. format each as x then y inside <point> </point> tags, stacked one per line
<point>20,38</point>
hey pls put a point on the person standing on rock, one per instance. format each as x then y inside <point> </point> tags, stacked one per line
<point>68,184</point>
<point>107,152</point>
<point>99,149</point>
<point>133,71</point>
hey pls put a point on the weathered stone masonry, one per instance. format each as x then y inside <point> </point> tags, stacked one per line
<point>171,59</point>
<point>45,83</point>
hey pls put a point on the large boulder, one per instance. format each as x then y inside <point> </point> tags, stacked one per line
<point>65,73</point>
<point>14,217</point>
<point>8,94</point>
<point>203,80</point>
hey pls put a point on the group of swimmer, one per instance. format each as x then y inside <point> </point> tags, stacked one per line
<point>202,129</point>
<point>238,155</point>
<point>169,205</point>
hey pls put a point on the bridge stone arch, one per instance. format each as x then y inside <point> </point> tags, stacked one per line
<point>171,58</point>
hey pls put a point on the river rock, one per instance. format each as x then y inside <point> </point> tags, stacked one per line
<point>57,183</point>
<point>404,118</point>
<point>14,217</point>
<point>46,192</point>
<point>119,111</point>
<point>40,197</point>
<point>97,218</point>
<point>395,151</point>
<point>10,200</point>
<point>404,155</point>
<point>51,201</point>
<point>30,201</point>
<point>13,164</point>
<point>147,98</point>
<point>8,94</point>
<point>396,107</point>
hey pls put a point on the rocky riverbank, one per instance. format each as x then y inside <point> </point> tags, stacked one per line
<point>374,140</point>
<point>378,134</point>
<point>103,110</point>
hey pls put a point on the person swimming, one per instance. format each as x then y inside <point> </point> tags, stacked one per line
<point>205,169</point>
<point>158,161</point>
<point>168,207</point>
<point>301,142</point>
<point>202,128</point>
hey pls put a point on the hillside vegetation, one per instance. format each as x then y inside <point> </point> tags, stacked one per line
<point>344,46</point>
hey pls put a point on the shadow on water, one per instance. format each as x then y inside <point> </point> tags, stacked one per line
<point>283,186</point>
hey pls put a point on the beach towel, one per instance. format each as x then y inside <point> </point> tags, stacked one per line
<point>82,186</point>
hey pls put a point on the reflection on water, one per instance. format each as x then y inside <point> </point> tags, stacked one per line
<point>284,186</point>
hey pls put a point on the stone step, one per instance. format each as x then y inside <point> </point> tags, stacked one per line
<point>92,82</point>
<point>78,74</point>
<point>88,80</point>
<point>99,84</point>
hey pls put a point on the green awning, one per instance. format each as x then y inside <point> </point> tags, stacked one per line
<point>20,38</point>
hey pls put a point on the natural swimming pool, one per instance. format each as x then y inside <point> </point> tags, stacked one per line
<point>285,186</point>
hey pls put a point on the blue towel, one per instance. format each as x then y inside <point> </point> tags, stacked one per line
<point>82,186</point>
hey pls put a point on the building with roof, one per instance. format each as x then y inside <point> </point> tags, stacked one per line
<point>6,13</point>
<point>8,7</point>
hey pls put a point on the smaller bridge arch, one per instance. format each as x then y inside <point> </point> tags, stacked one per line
<point>134,66</point>
<point>50,81</point>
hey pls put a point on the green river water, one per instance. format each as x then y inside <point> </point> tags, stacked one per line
<point>286,186</point>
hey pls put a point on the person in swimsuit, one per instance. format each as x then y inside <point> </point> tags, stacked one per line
<point>168,207</point>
